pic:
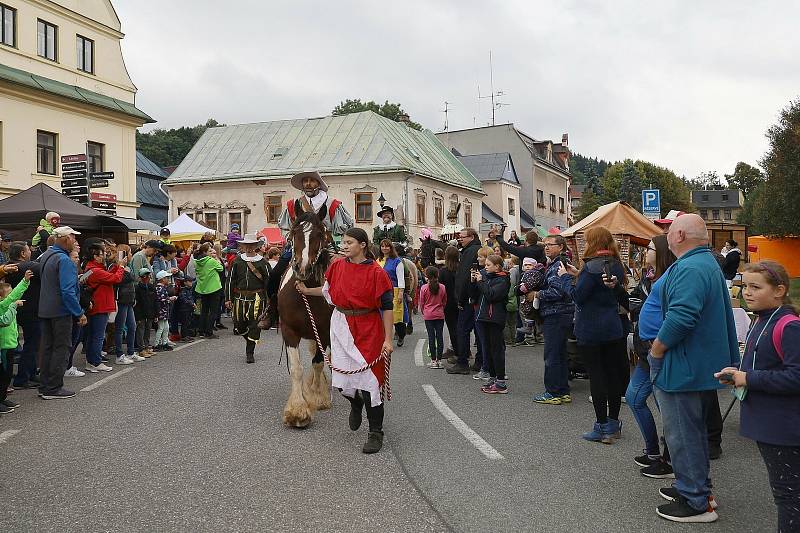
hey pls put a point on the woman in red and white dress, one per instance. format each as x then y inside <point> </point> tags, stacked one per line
<point>361,329</point>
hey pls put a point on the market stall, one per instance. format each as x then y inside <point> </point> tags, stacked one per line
<point>183,230</point>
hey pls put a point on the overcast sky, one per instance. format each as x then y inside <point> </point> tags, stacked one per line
<point>692,86</point>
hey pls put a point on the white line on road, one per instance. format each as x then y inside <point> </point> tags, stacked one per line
<point>106,379</point>
<point>484,447</point>
<point>418,352</point>
<point>7,434</point>
<point>182,346</point>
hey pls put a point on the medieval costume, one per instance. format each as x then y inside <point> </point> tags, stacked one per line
<point>360,294</point>
<point>247,283</point>
<point>395,269</point>
<point>389,229</point>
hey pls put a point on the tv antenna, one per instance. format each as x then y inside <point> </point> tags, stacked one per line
<point>494,96</point>
<point>446,110</point>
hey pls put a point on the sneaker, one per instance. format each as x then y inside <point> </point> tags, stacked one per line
<point>458,369</point>
<point>166,348</point>
<point>123,360</point>
<point>483,374</point>
<point>73,372</point>
<point>671,494</point>
<point>566,398</point>
<point>146,353</point>
<point>10,403</point>
<point>136,358</point>
<point>99,368</point>
<point>646,460</point>
<point>4,409</point>
<point>495,388</point>
<point>60,394</point>
<point>658,470</point>
<point>547,398</point>
<point>681,511</point>
<point>433,364</point>
<point>172,344</point>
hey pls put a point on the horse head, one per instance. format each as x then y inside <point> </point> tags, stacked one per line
<point>310,256</point>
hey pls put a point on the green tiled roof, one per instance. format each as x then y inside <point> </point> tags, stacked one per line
<point>350,144</point>
<point>20,77</point>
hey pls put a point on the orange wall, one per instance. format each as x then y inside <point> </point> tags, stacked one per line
<point>785,251</point>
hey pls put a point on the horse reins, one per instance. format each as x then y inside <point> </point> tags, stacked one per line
<point>386,389</point>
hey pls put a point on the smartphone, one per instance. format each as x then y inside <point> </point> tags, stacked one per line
<point>120,255</point>
<point>607,271</point>
<point>727,377</point>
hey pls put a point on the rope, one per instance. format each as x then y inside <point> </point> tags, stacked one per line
<point>386,359</point>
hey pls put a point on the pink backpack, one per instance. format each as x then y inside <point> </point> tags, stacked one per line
<point>777,333</point>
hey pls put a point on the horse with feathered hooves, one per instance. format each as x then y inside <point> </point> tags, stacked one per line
<point>310,260</point>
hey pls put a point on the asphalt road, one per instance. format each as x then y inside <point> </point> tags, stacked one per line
<point>193,441</point>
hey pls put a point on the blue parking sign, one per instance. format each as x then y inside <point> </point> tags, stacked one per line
<point>651,203</point>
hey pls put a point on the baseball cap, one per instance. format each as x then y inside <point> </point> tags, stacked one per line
<point>144,272</point>
<point>163,274</point>
<point>63,231</point>
<point>6,237</point>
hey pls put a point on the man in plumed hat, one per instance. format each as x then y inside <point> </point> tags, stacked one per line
<point>389,229</point>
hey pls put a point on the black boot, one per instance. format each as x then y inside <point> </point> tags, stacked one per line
<point>356,410</point>
<point>375,417</point>
<point>374,442</point>
<point>271,312</point>
<point>251,348</point>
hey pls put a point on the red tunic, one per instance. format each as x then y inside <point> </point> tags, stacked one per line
<point>359,286</point>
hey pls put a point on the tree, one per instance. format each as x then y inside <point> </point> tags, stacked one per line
<point>582,168</point>
<point>168,147</point>
<point>705,181</point>
<point>589,203</point>
<point>391,111</point>
<point>630,188</point>
<point>747,215</point>
<point>674,192</point>
<point>746,178</point>
<point>775,211</point>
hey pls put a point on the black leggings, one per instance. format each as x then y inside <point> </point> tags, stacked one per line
<point>451,320</point>
<point>609,372</point>
<point>374,414</point>
<point>494,349</point>
<point>783,467</point>
<point>209,307</point>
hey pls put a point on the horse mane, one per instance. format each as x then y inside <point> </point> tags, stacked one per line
<point>324,256</point>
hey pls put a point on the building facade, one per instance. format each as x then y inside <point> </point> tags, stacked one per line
<point>65,90</point>
<point>240,174</point>
<point>501,185</point>
<point>542,168</point>
<point>718,206</point>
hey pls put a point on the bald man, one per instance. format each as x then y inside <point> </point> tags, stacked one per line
<point>695,336</point>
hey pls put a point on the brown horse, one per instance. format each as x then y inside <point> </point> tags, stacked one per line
<point>310,259</point>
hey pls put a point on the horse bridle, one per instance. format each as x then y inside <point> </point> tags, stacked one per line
<point>314,265</point>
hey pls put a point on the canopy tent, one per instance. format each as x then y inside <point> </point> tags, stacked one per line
<point>785,251</point>
<point>20,214</point>
<point>184,228</point>
<point>273,236</point>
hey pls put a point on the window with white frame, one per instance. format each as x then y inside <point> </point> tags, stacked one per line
<point>438,212</point>
<point>47,40</point>
<point>211,219</point>
<point>236,217</point>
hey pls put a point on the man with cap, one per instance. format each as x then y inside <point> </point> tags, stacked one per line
<point>389,229</point>
<point>46,226</point>
<point>165,234</point>
<point>314,199</point>
<point>5,244</point>
<point>58,306</point>
<point>245,292</point>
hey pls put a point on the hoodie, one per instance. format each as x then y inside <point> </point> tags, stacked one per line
<point>207,269</point>
<point>39,237</point>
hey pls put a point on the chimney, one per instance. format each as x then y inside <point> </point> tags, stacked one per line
<point>403,117</point>
<point>565,140</point>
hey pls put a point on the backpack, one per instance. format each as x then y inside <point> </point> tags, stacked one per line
<point>777,332</point>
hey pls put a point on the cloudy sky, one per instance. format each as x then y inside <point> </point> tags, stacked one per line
<point>692,86</point>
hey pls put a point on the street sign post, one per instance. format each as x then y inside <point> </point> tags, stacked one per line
<point>102,175</point>
<point>98,184</point>
<point>651,203</point>
<point>67,183</point>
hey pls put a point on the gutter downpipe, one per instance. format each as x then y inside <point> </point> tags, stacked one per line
<point>169,198</point>
<point>405,199</point>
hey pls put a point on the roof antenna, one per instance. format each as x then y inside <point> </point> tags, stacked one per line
<point>496,104</point>
<point>446,111</point>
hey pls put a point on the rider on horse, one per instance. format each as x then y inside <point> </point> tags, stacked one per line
<point>329,210</point>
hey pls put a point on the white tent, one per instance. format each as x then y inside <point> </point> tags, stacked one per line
<point>184,228</point>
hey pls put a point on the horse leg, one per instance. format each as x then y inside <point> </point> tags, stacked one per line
<point>317,390</point>
<point>296,413</point>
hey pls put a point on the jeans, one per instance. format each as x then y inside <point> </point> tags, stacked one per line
<point>435,337</point>
<point>783,467</point>
<point>32,333</point>
<point>125,318</point>
<point>466,323</point>
<point>162,333</point>
<point>143,333</point>
<point>685,433</point>
<point>56,337</point>
<point>97,332</point>
<point>556,328</point>
<point>639,389</point>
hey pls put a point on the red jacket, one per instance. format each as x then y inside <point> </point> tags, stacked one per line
<point>103,281</point>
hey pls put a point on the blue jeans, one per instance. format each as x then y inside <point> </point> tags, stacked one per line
<point>32,333</point>
<point>97,332</point>
<point>639,390</point>
<point>684,420</point>
<point>435,337</point>
<point>466,323</point>
<point>556,328</point>
<point>125,318</point>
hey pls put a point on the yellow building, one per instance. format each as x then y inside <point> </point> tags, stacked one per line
<point>65,90</point>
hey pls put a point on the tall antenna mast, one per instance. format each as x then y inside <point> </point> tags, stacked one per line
<point>492,95</point>
<point>491,83</point>
<point>445,111</point>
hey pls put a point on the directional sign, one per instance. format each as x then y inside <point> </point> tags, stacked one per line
<point>66,167</point>
<point>98,184</point>
<point>72,174</point>
<point>651,203</point>
<point>81,182</point>
<point>102,175</point>
<point>104,205</point>
<point>80,199</point>
<point>112,212</point>
<point>75,191</point>
<point>104,197</point>
<point>74,158</point>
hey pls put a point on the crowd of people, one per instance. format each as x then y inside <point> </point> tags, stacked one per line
<point>124,306</point>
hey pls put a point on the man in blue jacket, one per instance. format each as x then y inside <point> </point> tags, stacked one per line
<point>58,305</point>
<point>698,334</point>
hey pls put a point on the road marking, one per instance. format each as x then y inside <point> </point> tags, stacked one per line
<point>418,352</point>
<point>182,346</point>
<point>106,379</point>
<point>484,447</point>
<point>7,434</point>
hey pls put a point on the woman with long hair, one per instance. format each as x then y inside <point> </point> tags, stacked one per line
<point>598,292</point>
<point>447,277</point>
<point>361,330</point>
<point>393,265</point>
<point>432,301</point>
